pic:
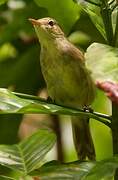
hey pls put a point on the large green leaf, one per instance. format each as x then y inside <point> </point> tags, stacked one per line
<point>79,170</point>
<point>103,169</point>
<point>27,155</point>
<point>9,103</point>
<point>99,170</point>
<point>94,13</point>
<point>102,60</point>
<point>65,171</point>
<point>66,12</point>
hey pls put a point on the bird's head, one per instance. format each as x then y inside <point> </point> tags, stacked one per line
<point>47,29</point>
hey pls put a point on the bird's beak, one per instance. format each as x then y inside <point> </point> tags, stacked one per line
<point>34,21</point>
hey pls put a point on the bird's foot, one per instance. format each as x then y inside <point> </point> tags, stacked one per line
<point>50,100</point>
<point>87,109</point>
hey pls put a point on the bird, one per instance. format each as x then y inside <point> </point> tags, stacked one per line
<point>69,82</point>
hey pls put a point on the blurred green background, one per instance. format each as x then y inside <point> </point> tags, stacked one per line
<point>20,66</point>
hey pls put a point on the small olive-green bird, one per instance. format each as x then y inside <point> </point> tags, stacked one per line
<point>68,81</point>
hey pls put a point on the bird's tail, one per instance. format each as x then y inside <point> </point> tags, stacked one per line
<point>82,138</point>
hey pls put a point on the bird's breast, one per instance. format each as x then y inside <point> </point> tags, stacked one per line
<point>67,83</point>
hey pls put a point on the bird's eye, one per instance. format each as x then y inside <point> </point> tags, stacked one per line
<point>51,23</point>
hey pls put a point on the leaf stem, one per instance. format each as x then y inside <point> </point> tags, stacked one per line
<point>115,38</point>
<point>106,16</point>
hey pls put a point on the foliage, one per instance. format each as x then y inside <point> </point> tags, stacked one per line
<point>97,57</point>
<point>32,104</point>
<point>27,155</point>
<point>89,21</point>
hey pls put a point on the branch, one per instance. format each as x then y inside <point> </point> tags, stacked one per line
<point>106,119</point>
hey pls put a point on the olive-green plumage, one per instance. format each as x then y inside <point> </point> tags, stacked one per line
<point>68,80</point>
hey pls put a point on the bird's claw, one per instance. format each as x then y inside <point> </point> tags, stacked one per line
<point>87,109</point>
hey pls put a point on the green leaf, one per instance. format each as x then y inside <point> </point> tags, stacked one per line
<point>17,29</point>
<point>68,8</point>
<point>7,50</point>
<point>94,1</point>
<point>115,26</point>
<point>94,13</point>
<point>9,103</point>
<point>3,1</point>
<point>79,37</point>
<point>103,169</point>
<point>102,60</point>
<point>27,155</point>
<point>6,178</point>
<point>65,171</point>
<point>79,170</point>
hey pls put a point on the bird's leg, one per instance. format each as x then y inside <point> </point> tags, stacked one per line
<point>87,109</point>
<point>57,129</point>
<point>89,146</point>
